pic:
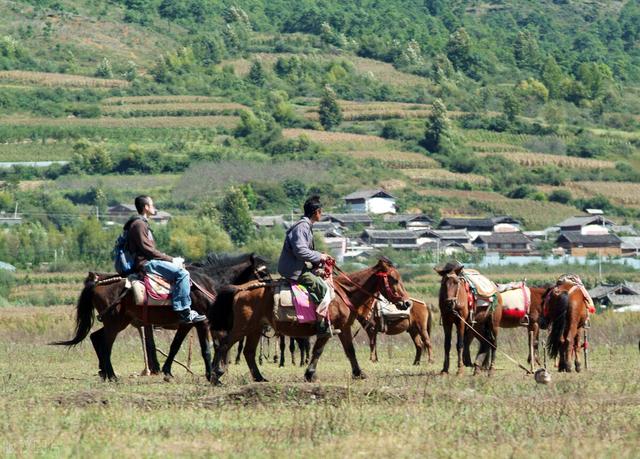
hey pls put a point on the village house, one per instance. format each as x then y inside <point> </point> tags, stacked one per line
<point>409,221</point>
<point>269,221</point>
<point>122,212</point>
<point>371,201</point>
<point>398,239</point>
<point>10,219</point>
<point>477,226</point>
<point>349,221</point>
<point>508,243</point>
<point>577,243</point>
<point>616,296</point>
<point>581,221</point>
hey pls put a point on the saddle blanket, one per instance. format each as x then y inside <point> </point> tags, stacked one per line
<point>516,302</point>
<point>575,280</point>
<point>150,290</point>
<point>292,303</point>
<point>481,285</point>
<point>389,310</point>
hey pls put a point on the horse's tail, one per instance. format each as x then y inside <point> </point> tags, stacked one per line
<point>429,320</point>
<point>560,309</point>
<point>84,316</point>
<point>221,312</point>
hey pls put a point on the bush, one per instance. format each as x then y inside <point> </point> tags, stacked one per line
<point>561,196</point>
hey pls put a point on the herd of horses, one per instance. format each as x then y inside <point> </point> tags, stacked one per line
<point>236,295</point>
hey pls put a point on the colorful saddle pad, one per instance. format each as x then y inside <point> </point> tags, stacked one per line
<point>151,290</point>
<point>516,302</point>
<point>389,310</point>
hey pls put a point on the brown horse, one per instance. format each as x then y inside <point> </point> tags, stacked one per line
<point>454,309</point>
<point>253,305</point>
<point>568,312</point>
<point>114,302</point>
<point>418,325</point>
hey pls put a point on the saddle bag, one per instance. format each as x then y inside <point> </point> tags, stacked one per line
<point>283,307</point>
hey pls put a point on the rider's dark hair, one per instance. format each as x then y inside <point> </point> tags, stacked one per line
<point>142,201</point>
<point>311,205</point>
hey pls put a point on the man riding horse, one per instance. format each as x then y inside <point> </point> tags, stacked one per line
<point>150,260</point>
<point>299,258</point>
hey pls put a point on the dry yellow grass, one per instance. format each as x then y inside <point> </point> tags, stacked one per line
<point>60,80</point>
<point>463,194</point>
<point>174,107</point>
<point>397,159</point>
<point>494,146</point>
<point>348,140</point>
<point>130,100</point>
<point>444,176</point>
<point>145,122</point>
<point>542,159</point>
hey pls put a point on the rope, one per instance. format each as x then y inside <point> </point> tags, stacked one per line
<point>529,372</point>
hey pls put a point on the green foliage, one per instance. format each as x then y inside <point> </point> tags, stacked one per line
<point>329,110</point>
<point>235,216</point>
<point>104,70</point>
<point>256,74</point>
<point>561,196</point>
<point>437,130</point>
<point>90,158</point>
<point>511,107</point>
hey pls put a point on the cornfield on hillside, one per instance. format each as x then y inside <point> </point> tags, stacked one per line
<point>348,140</point>
<point>542,159</point>
<point>444,176</point>
<point>397,159</point>
<point>463,194</point>
<point>59,80</point>
<point>174,109</point>
<point>144,122</point>
<point>623,193</point>
<point>130,100</point>
<point>533,214</point>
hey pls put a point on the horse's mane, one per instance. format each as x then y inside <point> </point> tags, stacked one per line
<point>222,260</point>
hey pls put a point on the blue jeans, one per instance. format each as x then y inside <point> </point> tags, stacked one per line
<point>179,277</point>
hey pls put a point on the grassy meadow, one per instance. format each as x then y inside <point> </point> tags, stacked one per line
<point>56,405</point>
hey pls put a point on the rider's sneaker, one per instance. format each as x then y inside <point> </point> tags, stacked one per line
<point>192,317</point>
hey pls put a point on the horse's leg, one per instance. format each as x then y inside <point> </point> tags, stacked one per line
<point>466,347</point>
<point>494,348</point>
<point>145,357</point>
<point>460,340</point>
<point>447,326</point>
<point>181,334</point>
<point>239,353</point>
<point>373,345</point>
<point>536,343</point>
<point>97,339</point>
<point>307,349</point>
<point>205,347</point>
<point>250,346</point>
<point>349,349</point>
<point>152,355</point>
<point>426,342</point>
<point>301,347</point>
<point>576,347</point>
<point>318,347</point>
<point>292,350</point>
<point>417,342</point>
<point>282,346</point>
<point>111,332</point>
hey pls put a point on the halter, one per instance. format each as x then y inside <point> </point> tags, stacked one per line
<point>389,294</point>
<point>454,299</point>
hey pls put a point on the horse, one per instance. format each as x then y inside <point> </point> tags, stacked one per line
<point>568,312</point>
<point>454,309</point>
<point>418,325</point>
<point>110,296</point>
<point>224,270</point>
<point>253,305</point>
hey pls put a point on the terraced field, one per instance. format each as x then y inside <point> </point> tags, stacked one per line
<point>114,122</point>
<point>444,177</point>
<point>396,159</point>
<point>198,108</point>
<point>542,159</point>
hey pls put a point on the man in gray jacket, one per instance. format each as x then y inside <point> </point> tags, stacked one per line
<point>299,257</point>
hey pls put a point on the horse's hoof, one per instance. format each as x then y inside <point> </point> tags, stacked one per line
<point>168,377</point>
<point>444,373</point>
<point>310,376</point>
<point>360,375</point>
<point>145,373</point>
<point>102,375</point>
<point>261,380</point>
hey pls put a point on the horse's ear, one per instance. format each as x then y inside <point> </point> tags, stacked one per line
<point>440,271</point>
<point>458,271</point>
<point>384,264</point>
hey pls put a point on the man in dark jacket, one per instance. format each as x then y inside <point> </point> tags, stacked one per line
<point>299,257</point>
<point>151,260</point>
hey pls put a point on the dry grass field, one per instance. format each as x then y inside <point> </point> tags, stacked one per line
<point>342,140</point>
<point>57,406</point>
<point>182,108</point>
<point>624,193</point>
<point>396,159</point>
<point>167,99</point>
<point>59,80</point>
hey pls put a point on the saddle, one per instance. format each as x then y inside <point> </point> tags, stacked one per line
<point>291,303</point>
<point>388,311</point>
<point>516,300</point>
<point>150,290</point>
<point>576,283</point>
<point>481,285</point>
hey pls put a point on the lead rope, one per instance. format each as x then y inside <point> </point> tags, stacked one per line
<point>529,372</point>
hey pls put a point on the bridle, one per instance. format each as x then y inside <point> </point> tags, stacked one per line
<point>454,300</point>
<point>383,286</point>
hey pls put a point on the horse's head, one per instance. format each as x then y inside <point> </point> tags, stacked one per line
<point>450,287</point>
<point>260,267</point>
<point>390,284</point>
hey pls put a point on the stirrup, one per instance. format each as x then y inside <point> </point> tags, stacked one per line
<point>472,316</point>
<point>524,322</point>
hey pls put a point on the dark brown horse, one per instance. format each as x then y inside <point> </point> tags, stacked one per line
<point>418,325</point>
<point>568,311</point>
<point>116,307</point>
<point>454,304</point>
<point>253,306</point>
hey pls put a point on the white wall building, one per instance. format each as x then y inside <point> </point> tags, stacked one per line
<point>371,201</point>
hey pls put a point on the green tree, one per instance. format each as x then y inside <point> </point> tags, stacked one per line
<point>104,69</point>
<point>329,110</point>
<point>511,106</point>
<point>256,74</point>
<point>553,78</point>
<point>235,216</point>
<point>595,77</point>
<point>526,50</point>
<point>437,129</point>
<point>459,50</point>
